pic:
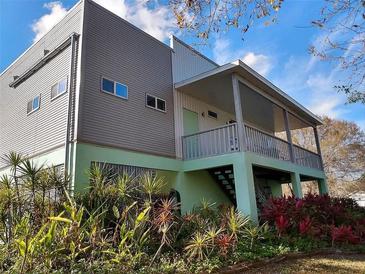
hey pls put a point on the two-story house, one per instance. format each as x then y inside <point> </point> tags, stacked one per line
<point>96,89</point>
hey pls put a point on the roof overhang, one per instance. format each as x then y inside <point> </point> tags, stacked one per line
<point>255,81</point>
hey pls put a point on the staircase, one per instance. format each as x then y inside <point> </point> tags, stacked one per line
<point>225,179</point>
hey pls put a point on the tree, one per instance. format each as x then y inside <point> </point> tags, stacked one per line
<point>205,17</point>
<point>343,25</point>
<point>343,153</point>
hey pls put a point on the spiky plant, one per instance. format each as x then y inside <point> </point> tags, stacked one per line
<point>100,179</point>
<point>126,187</point>
<point>198,246</point>
<point>14,160</point>
<point>152,185</point>
<point>254,233</point>
<point>31,173</point>
<point>164,219</point>
<point>236,222</point>
<point>6,208</point>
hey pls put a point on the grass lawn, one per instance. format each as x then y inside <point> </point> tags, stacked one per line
<point>328,263</point>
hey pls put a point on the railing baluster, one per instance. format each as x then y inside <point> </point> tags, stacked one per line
<point>225,140</point>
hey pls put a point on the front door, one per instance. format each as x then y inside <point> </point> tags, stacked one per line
<point>191,122</point>
<point>191,126</point>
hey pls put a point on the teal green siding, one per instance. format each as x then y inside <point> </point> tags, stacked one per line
<point>191,179</point>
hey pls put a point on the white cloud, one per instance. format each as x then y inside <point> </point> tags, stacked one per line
<point>47,21</point>
<point>329,106</point>
<point>119,7</point>
<point>259,62</point>
<point>306,80</point>
<point>150,16</point>
<point>223,53</point>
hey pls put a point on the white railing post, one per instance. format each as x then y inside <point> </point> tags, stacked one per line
<point>238,112</point>
<point>288,135</point>
<point>318,145</point>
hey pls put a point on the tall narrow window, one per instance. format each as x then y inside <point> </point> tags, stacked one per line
<point>155,103</point>
<point>33,104</point>
<point>115,88</point>
<point>59,88</point>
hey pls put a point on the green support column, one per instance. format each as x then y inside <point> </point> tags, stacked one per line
<point>276,189</point>
<point>245,189</point>
<point>322,186</point>
<point>295,181</point>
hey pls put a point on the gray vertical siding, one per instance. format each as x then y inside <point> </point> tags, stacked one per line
<point>45,128</point>
<point>119,51</point>
<point>187,62</point>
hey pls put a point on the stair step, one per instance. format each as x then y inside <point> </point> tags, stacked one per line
<point>224,177</point>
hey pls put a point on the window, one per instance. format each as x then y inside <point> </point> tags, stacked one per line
<point>155,103</point>
<point>59,88</point>
<point>33,104</point>
<point>114,88</point>
<point>116,169</point>
<point>212,114</point>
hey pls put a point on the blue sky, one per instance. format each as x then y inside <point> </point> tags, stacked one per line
<point>278,51</point>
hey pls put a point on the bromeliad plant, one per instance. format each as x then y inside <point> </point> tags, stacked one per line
<point>322,218</point>
<point>127,224</point>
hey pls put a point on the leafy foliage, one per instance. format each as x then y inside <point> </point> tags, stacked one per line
<point>322,218</point>
<point>129,225</point>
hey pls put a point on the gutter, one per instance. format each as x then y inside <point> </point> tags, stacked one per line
<point>38,65</point>
<point>73,38</point>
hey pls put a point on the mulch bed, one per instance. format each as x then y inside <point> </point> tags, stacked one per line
<point>247,266</point>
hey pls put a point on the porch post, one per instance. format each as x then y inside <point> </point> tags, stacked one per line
<point>245,188</point>
<point>288,135</point>
<point>318,145</point>
<point>238,112</point>
<point>295,181</point>
<point>322,186</point>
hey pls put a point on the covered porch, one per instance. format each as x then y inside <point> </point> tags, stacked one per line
<point>243,112</point>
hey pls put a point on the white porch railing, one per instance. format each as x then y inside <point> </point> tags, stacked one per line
<point>224,139</point>
<point>265,144</point>
<point>304,157</point>
<point>211,142</point>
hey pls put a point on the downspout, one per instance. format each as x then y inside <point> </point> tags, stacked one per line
<point>73,38</point>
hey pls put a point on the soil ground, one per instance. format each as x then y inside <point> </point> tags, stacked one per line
<point>321,263</point>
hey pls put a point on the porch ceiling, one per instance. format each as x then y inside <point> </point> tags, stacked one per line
<point>215,87</point>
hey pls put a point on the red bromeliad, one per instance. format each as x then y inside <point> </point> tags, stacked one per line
<point>281,224</point>
<point>344,234</point>
<point>305,226</point>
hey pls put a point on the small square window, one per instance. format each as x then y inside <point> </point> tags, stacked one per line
<point>108,86</point>
<point>115,88</point>
<point>212,114</point>
<point>155,103</point>
<point>36,103</point>
<point>62,86</point>
<point>121,90</point>
<point>29,106</point>
<point>59,88</point>
<point>33,104</point>
<point>54,90</point>
<point>161,104</point>
<point>151,101</point>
